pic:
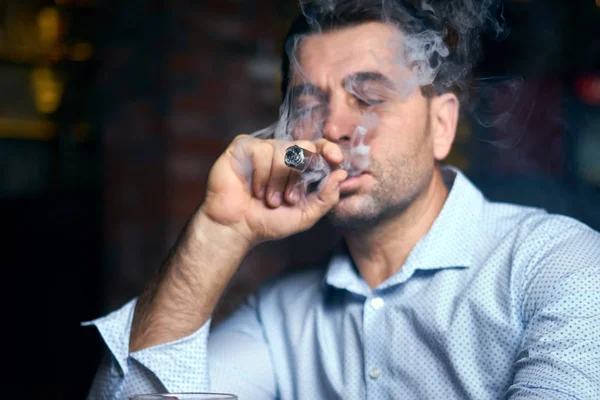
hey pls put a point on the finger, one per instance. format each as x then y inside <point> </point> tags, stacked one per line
<point>330,151</point>
<point>319,203</point>
<point>294,188</point>
<point>262,158</point>
<point>237,144</point>
<point>242,136</point>
<point>306,144</point>
<point>277,180</point>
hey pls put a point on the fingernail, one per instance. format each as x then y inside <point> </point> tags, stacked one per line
<point>295,195</point>
<point>276,198</point>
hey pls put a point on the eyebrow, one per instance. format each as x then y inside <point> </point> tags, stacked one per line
<point>370,76</point>
<point>307,89</point>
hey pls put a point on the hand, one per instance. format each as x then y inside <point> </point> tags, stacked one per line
<point>252,191</point>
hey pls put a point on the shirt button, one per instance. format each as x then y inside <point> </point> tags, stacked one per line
<point>377,303</point>
<point>375,373</point>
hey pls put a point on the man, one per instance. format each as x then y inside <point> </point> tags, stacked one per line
<point>434,293</point>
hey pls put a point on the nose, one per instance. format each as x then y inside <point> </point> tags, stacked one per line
<point>341,120</point>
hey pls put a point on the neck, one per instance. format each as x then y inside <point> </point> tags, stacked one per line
<point>379,252</point>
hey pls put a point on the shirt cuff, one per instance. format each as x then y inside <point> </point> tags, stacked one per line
<point>115,329</point>
<point>180,365</point>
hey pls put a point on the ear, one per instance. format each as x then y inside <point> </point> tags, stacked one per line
<point>443,120</point>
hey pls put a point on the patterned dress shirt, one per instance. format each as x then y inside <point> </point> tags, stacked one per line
<point>495,301</point>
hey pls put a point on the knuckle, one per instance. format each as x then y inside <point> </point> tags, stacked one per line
<point>239,138</point>
<point>265,148</point>
<point>261,152</point>
<point>308,145</point>
<point>322,142</point>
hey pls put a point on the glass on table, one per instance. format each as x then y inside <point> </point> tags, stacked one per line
<point>184,396</point>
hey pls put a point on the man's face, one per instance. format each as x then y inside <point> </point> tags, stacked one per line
<point>344,75</point>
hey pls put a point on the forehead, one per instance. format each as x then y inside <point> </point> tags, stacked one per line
<point>372,46</point>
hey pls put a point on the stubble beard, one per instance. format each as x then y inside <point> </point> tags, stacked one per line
<point>395,191</point>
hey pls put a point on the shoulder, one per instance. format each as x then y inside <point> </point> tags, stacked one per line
<point>538,237</point>
<point>506,217</point>
<point>542,249</point>
<point>560,258</point>
<point>532,228</point>
<point>543,234</point>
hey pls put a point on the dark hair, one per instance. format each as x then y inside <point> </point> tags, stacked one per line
<point>458,25</point>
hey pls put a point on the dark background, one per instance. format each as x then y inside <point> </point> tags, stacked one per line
<point>112,113</point>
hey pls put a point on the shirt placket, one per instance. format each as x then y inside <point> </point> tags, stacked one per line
<point>374,345</point>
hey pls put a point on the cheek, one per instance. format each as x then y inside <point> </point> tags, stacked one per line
<point>307,128</point>
<point>400,144</point>
<point>406,129</point>
<point>390,134</point>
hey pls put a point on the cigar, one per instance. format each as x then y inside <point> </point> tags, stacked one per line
<point>302,160</point>
<point>312,166</point>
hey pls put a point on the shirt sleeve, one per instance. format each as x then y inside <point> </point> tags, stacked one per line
<point>559,357</point>
<point>235,359</point>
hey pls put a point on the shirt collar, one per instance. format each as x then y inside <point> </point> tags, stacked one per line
<point>448,244</point>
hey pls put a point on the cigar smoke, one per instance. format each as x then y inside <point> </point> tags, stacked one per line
<point>435,46</point>
<point>437,40</point>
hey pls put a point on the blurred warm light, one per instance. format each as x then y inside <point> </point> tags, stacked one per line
<point>48,88</point>
<point>28,130</point>
<point>598,3</point>
<point>11,128</point>
<point>49,26</point>
<point>19,37</point>
<point>81,51</point>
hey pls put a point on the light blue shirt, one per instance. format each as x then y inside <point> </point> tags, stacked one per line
<point>496,301</point>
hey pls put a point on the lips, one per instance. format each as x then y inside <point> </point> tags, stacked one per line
<point>352,182</point>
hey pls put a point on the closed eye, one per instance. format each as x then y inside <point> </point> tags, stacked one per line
<point>364,101</point>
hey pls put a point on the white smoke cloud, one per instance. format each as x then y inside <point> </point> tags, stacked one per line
<point>436,42</point>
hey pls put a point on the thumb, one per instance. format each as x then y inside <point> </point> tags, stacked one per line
<point>319,203</point>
